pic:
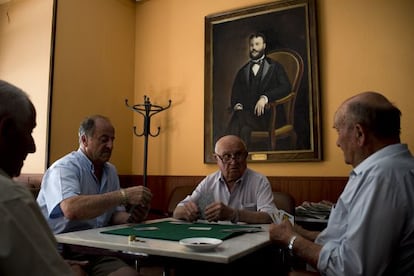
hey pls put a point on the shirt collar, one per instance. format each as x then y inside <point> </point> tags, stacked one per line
<point>238,181</point>
<point>87,161</point>
<point>259,60</point>
<point>384,152</point>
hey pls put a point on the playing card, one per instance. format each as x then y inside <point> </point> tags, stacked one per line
<point>275,217</point>
<point>205,200</point>
<point>281,215</point>
<point>286,216</point>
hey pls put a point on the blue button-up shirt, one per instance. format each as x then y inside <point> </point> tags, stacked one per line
<point>371,229</point>
<point>73,175</point>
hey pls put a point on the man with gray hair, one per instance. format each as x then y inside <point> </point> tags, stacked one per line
<point>28,247</point>
<point>82,191</point>
<point>233,193</point>
<point>371,228</point>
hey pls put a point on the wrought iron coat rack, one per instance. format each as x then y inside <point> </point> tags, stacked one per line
<point>147,110</point>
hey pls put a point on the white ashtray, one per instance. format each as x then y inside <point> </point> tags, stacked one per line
<point>201,244</point>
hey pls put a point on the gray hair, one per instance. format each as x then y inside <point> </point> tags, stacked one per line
<point>233,138</point>
<point>87,126</point>
<point>376,113</point>
<point>14,102</point>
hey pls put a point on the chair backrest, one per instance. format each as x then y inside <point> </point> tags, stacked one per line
<point>178,194</point>
<point>284,201</point>
<point>292,62</point>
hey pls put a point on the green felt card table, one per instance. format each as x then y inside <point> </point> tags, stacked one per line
<point>161,238</point>
<point>174,230</point>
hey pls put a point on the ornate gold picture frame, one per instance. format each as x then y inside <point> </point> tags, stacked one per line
<point>293,126</point>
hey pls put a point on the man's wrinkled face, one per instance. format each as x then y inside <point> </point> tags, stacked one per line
<point>231,159</point>
<point>346,140</point>
<point>99,146</point>
<point>257,47</point>
<point>21,143</point>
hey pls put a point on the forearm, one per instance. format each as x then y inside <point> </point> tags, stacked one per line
<point>90,206</point>
<point>253,217</point>
<point>310,235</point>
<point>307,250</point>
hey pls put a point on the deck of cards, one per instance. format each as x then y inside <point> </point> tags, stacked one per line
<point>281,215</point>
<point>205,200</point>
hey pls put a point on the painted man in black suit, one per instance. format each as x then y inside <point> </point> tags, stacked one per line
<point>258,82</point>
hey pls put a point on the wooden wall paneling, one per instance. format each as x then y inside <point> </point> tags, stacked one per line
<point>301,188</point>
<point>161,186</point>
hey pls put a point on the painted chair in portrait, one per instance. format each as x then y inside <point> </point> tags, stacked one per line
<point>293,65</point>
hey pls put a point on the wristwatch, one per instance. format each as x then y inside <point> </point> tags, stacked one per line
<point>290,244</point>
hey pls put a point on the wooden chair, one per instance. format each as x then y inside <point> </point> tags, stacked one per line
<point>285,202</point>
<point>32,183</point>
<point>178,194</point>
<point>293,65</point>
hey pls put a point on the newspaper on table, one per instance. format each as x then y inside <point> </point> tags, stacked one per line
<point>318,210</point>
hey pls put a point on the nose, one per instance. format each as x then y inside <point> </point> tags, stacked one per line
<point>234,157</point>
<point>337,143</point>
<point>110,143</point>
<point>31,145</point>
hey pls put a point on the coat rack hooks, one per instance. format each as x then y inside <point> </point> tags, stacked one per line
<point>147,110</point>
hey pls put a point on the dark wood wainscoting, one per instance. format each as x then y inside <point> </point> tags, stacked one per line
<point>302,188</point>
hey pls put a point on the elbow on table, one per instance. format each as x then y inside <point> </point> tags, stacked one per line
<point>70,214</point>
<point>69,210</point>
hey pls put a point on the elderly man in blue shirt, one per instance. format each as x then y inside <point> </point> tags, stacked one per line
<point>82,191</point>
<point>371,229</point>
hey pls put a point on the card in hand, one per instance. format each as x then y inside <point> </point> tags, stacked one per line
<point>281,215</point>
<point>204,200</point>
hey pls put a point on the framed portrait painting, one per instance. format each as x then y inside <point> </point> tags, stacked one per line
<point>261,81</point>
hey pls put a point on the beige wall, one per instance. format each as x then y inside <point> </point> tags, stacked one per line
<point>363,45</point>
<point>25,37</point>
<point>94,72</point>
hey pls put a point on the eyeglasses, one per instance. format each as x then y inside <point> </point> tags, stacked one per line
<point>226,158</point>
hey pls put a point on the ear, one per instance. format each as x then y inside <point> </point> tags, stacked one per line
<point>216,158</point>
<point>360,134</point>
<point>7,135</point>
<point>6,126</point>
<point>84,140</point>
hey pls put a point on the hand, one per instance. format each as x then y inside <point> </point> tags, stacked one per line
<point>238,107</point>
<point>191,211</point>
<point>259,109</point>
<point>138,213</point>
<point>139,195</point>
<point>281,233</point>
<point>218,211</point>
<point>78,267</point>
